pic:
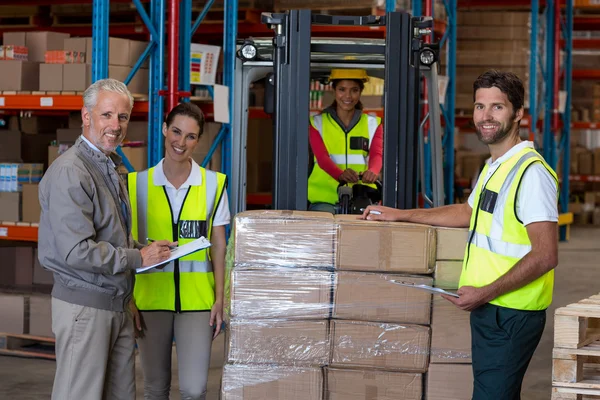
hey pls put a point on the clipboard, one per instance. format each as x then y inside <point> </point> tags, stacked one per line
<point>426,288</point>
<point>199,244</point>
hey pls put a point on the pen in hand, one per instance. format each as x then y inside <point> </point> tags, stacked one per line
<point>148,240</point>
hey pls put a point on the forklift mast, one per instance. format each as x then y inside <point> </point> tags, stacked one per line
<point>399,59</point>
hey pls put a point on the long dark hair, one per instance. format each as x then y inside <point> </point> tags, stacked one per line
<point>188,110</point>
<point>361,85</point>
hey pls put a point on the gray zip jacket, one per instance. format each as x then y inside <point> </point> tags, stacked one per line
<point>84,237</point>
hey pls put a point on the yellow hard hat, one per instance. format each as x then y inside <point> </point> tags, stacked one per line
<point>359,74</point>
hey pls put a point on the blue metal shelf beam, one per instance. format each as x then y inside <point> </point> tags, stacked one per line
<point>156,108</point>
<point>566,136</point>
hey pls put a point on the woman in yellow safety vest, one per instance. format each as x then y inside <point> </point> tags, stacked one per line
<point>345,142</point>
<point>179,201</point>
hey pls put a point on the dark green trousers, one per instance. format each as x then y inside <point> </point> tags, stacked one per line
<point>503,341</point>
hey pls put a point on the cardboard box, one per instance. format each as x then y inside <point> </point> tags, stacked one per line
<point>494,18</point>
<point>77,77</point>
<point>447,274</point>
<point>450,333</point>
<point>52,154</point>
<point>374,345</point>
<point>585,163</point>
<point>41,276</point>
<point>383,246</point>
<point>471,164</point>
<point>348,384</point>
<point>16,268</point>
<point>596,161</point>
<point>449,382</point>
<point>31,204</point>
<point>375,297</point>
<point>77,44</point>
<point>118,53</point>
<point>248,382</point>
<point>451,243</point>
<point>64,57</point>
<point>75,121</point>
<point>35,124</point>
<point>210,132</point>
<point>275,292</point>
<point>10,205</point>
<point>10,146</point>
<point>494,32</point>
<point>39,43</point>
<point>285,238</point>
<point>11,52</point>
<point>68,135</point>
<point>139,82</point>
<point>40,316</point>
<point>15,313</point>
<point>34,147</point>
<point>14,38</point>
<point>136,49</point>
<point>137,131</point>
<point>287,343</point>
<point>19,75</point>
<point>492,57</point>
<point>137,156</point>
<point>51,77</point>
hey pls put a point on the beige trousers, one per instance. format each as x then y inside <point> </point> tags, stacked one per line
<point>193,341</point>
<point>95,357</point>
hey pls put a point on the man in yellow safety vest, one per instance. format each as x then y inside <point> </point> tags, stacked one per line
<point>508,270</point>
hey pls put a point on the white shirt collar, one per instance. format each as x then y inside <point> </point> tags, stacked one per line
<point>514,150</point>
<point>194,179</point>
<point>93,147</point>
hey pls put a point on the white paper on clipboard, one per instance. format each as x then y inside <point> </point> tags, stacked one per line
<point>426,288</point>
<point>181,251</point>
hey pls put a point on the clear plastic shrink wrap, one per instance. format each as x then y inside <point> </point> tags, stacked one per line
<point>285,238</point>
<point>314,300</point>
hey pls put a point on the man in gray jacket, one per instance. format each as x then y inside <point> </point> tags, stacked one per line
<point>85,240</point>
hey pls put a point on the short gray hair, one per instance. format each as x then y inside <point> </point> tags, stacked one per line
<point>90,96</point>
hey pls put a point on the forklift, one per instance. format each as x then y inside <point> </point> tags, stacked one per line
<point>289,61</point>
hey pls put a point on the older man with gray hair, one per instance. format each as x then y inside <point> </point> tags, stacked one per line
<point>85,240</point>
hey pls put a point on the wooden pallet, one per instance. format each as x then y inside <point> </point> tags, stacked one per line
<point>578,324</point>
<point>572,394</point>
<point>27,346</point>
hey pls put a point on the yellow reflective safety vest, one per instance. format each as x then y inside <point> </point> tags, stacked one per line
<point>498,240</point>
<point>186,284</point>
<point>322,187</point>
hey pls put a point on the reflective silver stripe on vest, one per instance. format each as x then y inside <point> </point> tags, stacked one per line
<point>141,192</point>
<point>340,159</point>
<point>498,216</point>
<point>195,266</point>
<point>318,123</point>
<point>373,124</point>
<point>498,246</point>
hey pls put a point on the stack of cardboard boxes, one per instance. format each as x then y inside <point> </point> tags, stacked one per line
<point>585,98</point>
<point>321,304</point>
<point>57,62</point>
<point>490,39</point>
<point>449,375</point>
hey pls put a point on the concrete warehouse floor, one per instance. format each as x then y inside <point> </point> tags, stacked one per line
<point>577,277</point>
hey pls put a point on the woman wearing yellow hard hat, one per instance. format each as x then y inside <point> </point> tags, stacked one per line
<point>347,143</point>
